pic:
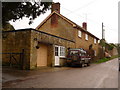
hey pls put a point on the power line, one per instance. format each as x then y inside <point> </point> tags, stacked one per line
<point>114,30</point>
<point>84,6</point>
<point>97,23</point>
<point>82,16</point>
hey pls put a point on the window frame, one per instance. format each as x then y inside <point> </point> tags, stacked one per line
<point>56,51</point>
<point>86,36</point>
<point>79,33</point>
<point>95,40</point>
<point>61,51</point>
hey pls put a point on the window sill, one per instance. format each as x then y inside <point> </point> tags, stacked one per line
<point>62,57</point>
<point>79,37</point>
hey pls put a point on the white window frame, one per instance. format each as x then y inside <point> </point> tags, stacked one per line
<point>95,41</point>
<point>61,51</point>
<point>57,51</point>
<point>98,41</point>
<point>86,36</point>
<point>79,33</point>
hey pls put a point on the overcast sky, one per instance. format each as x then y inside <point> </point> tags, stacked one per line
<point>94,12</point>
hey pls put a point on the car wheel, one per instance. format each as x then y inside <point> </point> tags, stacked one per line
<point>119,67</point>
<point>88,64</point>
<point>80,65</point>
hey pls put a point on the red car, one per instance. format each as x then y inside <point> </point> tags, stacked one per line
<point>78,57</point>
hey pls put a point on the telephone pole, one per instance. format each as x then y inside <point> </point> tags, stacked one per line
<point>102,30</point>
<point>103,38</point>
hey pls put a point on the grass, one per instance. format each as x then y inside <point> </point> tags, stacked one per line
<point>105,59</point>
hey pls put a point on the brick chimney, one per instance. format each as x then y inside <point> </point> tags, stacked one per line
<point>84,25</point>
<point>54,18</point>
<point>56,7</point>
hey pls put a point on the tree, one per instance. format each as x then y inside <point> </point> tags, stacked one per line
<point>18,10</point>
<point>102,42</point>
<point>8,27</point>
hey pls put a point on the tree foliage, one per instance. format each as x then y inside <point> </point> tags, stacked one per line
<point>102,42</point>
<point>18,10</point>
<point>8,27</point>
<point>108,46</point>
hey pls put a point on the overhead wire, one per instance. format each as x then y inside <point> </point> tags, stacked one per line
<point>84,6</point>
<point>83,17</point>
<point>97,23</point>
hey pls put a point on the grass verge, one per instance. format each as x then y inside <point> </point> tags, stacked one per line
<point>105,59</point>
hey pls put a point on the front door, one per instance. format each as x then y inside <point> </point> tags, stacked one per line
<point>57,62</point>
<point>42,55</point>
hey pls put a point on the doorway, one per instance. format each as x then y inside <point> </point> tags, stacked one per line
<point>42,55</point>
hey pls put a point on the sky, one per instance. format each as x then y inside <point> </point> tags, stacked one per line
<point>94,12</point>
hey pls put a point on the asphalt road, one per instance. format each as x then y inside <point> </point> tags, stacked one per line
<point>103,75</point>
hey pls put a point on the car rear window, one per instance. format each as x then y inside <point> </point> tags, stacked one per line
<point>73,52</point>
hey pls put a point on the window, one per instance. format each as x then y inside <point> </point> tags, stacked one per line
<point>56,51</point>
<point>98,41</point>
<point>74,52</point>
<point>59,51</point>
<point>62,51</point>
<point>95,53</point>
<point>86,37</point>
<point>95,41</point>
<point>79,34</point>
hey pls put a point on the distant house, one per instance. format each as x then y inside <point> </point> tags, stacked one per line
<point>48,43</point>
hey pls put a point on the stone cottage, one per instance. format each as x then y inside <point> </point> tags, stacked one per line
<point>47,44</point>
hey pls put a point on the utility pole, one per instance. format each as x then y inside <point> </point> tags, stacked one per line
<point>102,30</point>
<point>103,38</point>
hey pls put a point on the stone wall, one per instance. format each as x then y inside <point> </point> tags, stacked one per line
<point>113,52</point>
<point>15,42</point>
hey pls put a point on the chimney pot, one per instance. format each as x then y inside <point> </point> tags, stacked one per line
<point>56,7</point>
<point>84,25</point>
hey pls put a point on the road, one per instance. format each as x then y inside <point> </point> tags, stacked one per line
<point>104,75</point>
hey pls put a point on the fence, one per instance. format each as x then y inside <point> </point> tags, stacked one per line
<point>15,59</point>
